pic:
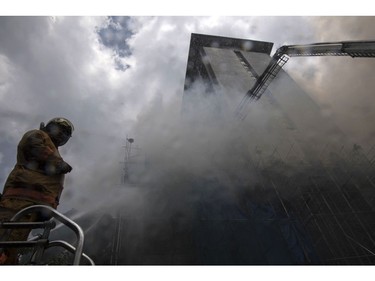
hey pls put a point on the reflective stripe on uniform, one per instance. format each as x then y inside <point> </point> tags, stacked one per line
<point>25,193</point>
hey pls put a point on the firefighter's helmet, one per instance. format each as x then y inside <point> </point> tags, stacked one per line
<point>60,130</point>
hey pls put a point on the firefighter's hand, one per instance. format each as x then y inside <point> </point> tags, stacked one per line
<point>65,168</point>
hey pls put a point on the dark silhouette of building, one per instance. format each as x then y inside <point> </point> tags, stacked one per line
<point>312,178</point>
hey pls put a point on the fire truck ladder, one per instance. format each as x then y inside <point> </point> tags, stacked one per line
<point>41,242</point>
<point>353,49</point>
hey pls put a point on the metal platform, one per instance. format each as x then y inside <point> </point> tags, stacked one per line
<point>40,243</point>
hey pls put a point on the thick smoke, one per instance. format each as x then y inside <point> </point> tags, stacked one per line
<point>178,155</point>
<point>179,150</point>
<point>341,85</point>
<point>198,143</point>
<point>57,66</point>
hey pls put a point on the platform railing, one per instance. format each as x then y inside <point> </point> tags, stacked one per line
<point>41,242</point>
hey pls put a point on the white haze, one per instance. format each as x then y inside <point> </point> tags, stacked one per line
<point>58,67</point>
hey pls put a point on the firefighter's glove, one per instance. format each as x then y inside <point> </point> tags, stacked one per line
<point>64,168</point>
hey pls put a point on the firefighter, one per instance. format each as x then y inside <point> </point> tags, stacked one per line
<point>36,179</point>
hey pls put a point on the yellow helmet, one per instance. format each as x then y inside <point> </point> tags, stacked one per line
<point>59,129</point>
<point>64,123</point>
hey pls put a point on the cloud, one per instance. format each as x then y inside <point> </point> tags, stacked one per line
<point>115,35</point>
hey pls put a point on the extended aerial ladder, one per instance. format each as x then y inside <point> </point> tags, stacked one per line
<point>353,49</point>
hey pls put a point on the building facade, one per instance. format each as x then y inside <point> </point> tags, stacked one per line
<point>308,175</point>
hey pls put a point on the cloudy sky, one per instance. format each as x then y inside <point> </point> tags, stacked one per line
<point>112,75</point>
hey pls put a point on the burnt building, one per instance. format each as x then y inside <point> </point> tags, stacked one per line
<point>318,186</point>
<point>301,193</point>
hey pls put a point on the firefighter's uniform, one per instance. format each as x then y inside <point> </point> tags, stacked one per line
<point>37,178</point>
